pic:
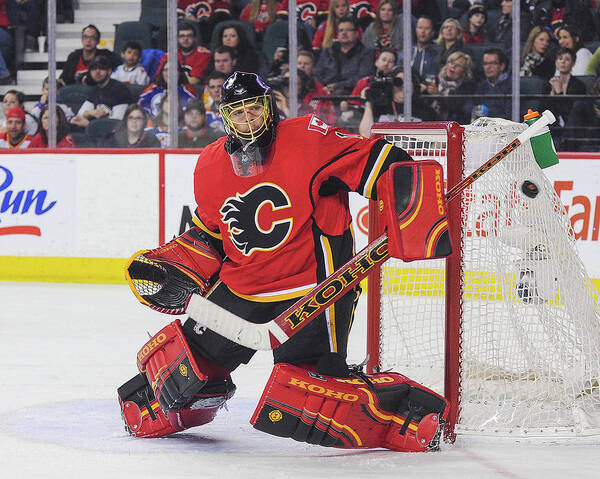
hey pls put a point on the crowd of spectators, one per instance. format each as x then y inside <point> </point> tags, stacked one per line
<point>349,50</point>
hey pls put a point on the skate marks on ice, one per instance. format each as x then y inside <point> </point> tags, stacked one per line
<point>96,425</point>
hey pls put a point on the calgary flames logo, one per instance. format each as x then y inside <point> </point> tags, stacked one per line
<point>250,230</point>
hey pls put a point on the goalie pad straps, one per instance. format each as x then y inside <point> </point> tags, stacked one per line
<point>382,410</point>
<point>165,278</point>
<point>181,390</point>
<point>411,199</point>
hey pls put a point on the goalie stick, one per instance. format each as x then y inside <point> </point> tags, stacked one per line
<point>273,333</point>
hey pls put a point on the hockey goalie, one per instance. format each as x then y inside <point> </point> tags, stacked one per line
<point>272,221</point>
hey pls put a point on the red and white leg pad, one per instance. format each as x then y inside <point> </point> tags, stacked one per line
<point>176,390</point>
<point>384,410</point>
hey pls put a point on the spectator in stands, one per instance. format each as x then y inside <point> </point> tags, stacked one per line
<point>306,62</point>
<point>386,30</point>
<point>584,123</point>
<point>496,82</point>
<point>195,58</point>
<point>384,64</point>
<point>63,139</point>
<point>308,13</point>
<point>570,37</point>
<point>260,13</point>
<point>131,71</point>
<point>160,123</point>
<point>234,36</point>
<point>208,13</point>
<point>535,57</point>
<point>78,62</point>
<point>195,132</point>
<point>455,78</point>
<point>327,31</point>
<point>43,101</point>
<point>474,30</point>
<point>15,135</point>
<point>555,14</point>
<point>563,84</point>
<point>5,76</point>
<point>131,132</point>
<point>225,60</point>
<point>593,66</point>
<point>12,99</point>
<point>450,40</point>
<point>501,32</point>
<point>346,61</point>
<point>424,52</point>
<point>26,13</point>
<point>151,97</point>
<point>108,98</point>
<point>385,102</point>
<point>212,97</point>
<point>7,47</point>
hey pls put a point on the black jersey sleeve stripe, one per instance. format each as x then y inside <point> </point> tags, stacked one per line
<point>382,155</point>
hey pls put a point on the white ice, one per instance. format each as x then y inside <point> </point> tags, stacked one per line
<point>65,348</point>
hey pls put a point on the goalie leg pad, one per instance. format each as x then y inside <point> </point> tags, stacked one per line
<point>188,389</point>
<point>411,198</point>
<point>140,409</point>
<point>382,410</point>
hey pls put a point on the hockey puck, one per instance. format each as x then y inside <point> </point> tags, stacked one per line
<point>529,189</point>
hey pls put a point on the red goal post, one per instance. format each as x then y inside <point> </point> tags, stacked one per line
<point>449,152</point>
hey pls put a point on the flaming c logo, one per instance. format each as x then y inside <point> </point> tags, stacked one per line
<point>241,214</point>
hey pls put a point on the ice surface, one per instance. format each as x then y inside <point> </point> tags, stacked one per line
<point>66,348</point>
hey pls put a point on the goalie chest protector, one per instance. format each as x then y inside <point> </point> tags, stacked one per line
<point>412,203</point>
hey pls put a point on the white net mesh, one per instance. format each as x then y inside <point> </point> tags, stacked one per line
<point>530,338</point>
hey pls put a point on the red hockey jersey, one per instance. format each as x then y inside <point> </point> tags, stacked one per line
<point>277,225</point>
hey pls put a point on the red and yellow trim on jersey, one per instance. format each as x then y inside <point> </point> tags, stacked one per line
<point>383,154</point>
<point>370,408</point>
<point>330,311</point>
<point>434,236</point>
<point>276,296</point>
<point>204,228</point>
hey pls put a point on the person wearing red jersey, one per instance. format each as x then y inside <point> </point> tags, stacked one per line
<point>195,58</point>
<point>15,136</point>
<point>63,139</point>
<point>272,221</point>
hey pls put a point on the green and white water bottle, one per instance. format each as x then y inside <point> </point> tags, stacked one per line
<point>542,145</point>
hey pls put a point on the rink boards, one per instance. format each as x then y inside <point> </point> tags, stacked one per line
<point>77,216</point>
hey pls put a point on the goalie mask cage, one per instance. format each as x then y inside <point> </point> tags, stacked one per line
<point>507,327</point>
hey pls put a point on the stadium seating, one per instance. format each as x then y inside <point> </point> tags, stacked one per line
<point>139,32</point>
<point>589,80</point>
<point>154,12</point>
<point>98,130</point>
<point>531,85</point>
<point>73,95</point>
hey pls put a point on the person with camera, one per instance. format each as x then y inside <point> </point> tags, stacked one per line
<point>385,102</point>
<point>384,65</point>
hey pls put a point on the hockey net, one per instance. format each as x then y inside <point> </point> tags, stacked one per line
<point>508,327</point>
